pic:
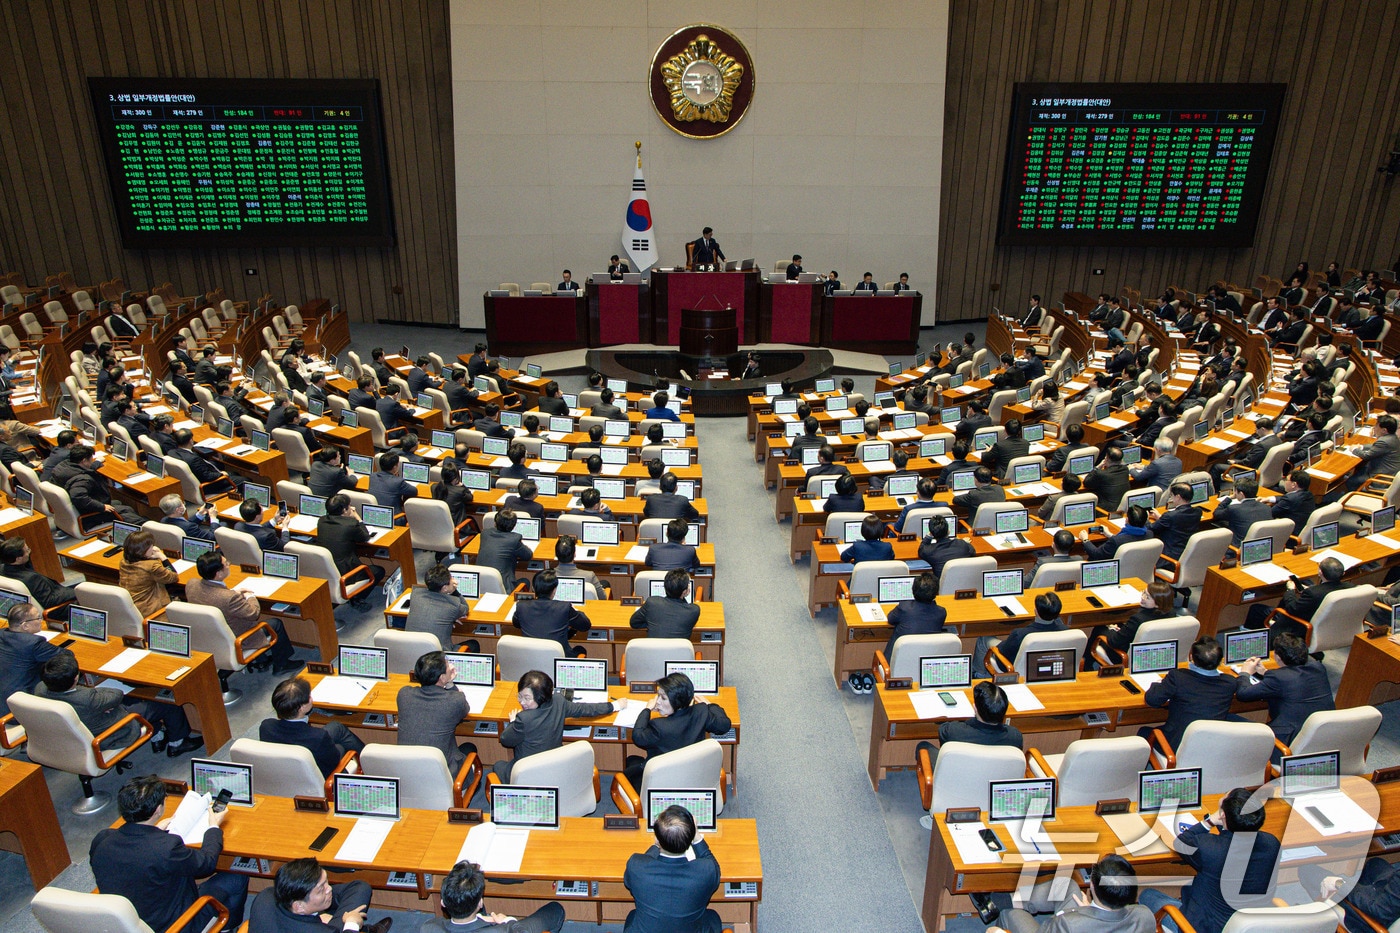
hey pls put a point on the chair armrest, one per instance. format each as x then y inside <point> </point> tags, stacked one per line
<point>1282,750</point>
<point>1174,913</point>
<point>471,770</point>
<point>842,590</point>
<point>1159,739</point>
<point>50,614</point>
<point>145,736</point>
<point>239,640</point>
<point>1041,763</point>
<point>193,911</point>
<point>1175,573</point>
<point>342,767</point>
<point>924,771</point>
<point>155,615</point>
<point>994,656</point>
<point>346,577</point>
<point>1100,650</point>
<point>457,531</point>
<point>627,800</point>
<point>881,666</point>
<point>5,722</point>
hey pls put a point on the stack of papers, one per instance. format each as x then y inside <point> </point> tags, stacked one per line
<point>11,515</point>
<point>1374,539</point>
<point>1347,560</point>
<point>494,849</point>
<point>341,691</point>
<point>215,443</point>
<point>1005,542</point>
<point>364,841</point>
<point>1146,680</point>
<point>927,705</point>
<point>1011,603</point>
<point>637,553</point>
<point>971,849</point>
<point>627,716</point>
<point>262,587</point>
<point>1138,837</point>
<point>124,661</point>
<point>490,602</point>
<point>95,546</point>
<point>1116,597</point>
<point>1022,699</point>
<point>871,612</point>
<point>191,818</point>
<point>1267,573</point>
<point>1034,489</point>
<point>476,696</point>
<point>1217,443</point>
<point>138,477</point>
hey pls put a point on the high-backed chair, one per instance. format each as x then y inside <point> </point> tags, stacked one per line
<point>986,514</point>
<point>516,654</point>
<point>56,738</point>
<point>241,548</point>
<point>998,663</point>
<point>1203,551</point>
<point>1277,529</point>
<point>405,648</point>
<point>123,618</point>
<point>835,526</point>
<point>644,659</point>
<point>1337,619</point>
<point>1091,770</point>
<point>865,578</point>
<point>964,573</point>
<point>697,765</point>
<point>425,783</point>
<point>1059,572</point>
<point>293,447</point>
<point>283,770</point>
<point>431,528</point>
<point>169,538</point>
<point>210,633</point>
<point>573,524</point>
<point>369,418</point>
<point>965,770</point>
<point>1229,754</point>
<point>316,561</point>
<point>571,768</point>
<point>67,517</point>
<point>1138,559</point>
<point>59,910</point>
<point>1331,512</point>
<point>1180,629</point>
<point>908,649</point>
<point>488,578</point>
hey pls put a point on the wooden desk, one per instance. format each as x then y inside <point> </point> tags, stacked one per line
<point>303,605</point>
<point>609,636</point>
<point>873,324</point>
<point>34,529</point>
<point>521,325</point>
<point>612,562</point>
<point>28,822</point>
<point>611,744</point>
<point>197,690</point>
<point>1373,662</point>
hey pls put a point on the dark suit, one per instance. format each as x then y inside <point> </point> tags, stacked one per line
<point>706,252</point>
<point>863,286</point>
<point>1239,516</point>
<point>681,729</point>
<point>861,550</point>
<point>937,555</point>
<point>1188,696</point>
<point>553,406</point>
<point>1160,472</point>
<point>912,617</point>
<point>1382,455</point>
<point>268,537</point>
<point>1297,505</point>
<point>1011,645</point>
<point>418,380</point>
<point>1058,459</point>
<point>502,550</point>
<point>390,490</point>
<point>326,480</point>
<point>269,917</point>
<point>821,469</point>
<point>203,470</point>
<point>1110,483</point>
<point>1205,905</point>
<point>976,732</point>
<point>670,505</point>
<point>458,395</point>
<point>1293,694</point>
<point>665,617</point>
<point>672,894</point>
<point>541,729</point>
<point>435,613</point>
<point>1370,328</point>
<point>339,534</point>
<point>1175,528</point>
<point>156,872</point>
<point>99,708</point>
<point>22,657</point>
<point>492,428</point>
<point>1003,452</point>
<point>970,500</point>
<point>45,590</point>
<point>325,745</point>
<point>549,917</point>
<point>551,619</point>
<point>668,556</point>
<point>391,412</point>
<point>429,715</point>
<point>1110,546</point>
<point>191,528</point>
<point>1377,894</point>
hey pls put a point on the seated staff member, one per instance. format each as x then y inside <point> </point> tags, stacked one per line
<point>1175,526</point>
<point>1295,689</point>
<point>672,882</point>
<point>16,564</point>
<point>538,725</point>
<point>291,699</point>
<point>155,870</point>
<point>99,708</point>
<point>659,410</point>
<point>871,545</point>
<point>302,899</point>
<point>240,609</point>
<point>435,607</point>
<point>328,473</point>
<point>549,618</point>
<point>502,548</point>
<point>388,487</point>
<point>88,490</point>
<point>1201,690</point>
<point>985,490</point>
<point>826,465</point>
<point>674,553</point>
<point>449,489</point>
<point>685,720</point>
<point>430,712</point>
<point>462,892</point>
<point>668,503</point>
<point>668,616</point>
<point>23,652</point>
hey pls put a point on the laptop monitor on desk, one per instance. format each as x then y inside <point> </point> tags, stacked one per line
<point>931,447</point>
<point>1324,535</point>
<point>699,802</point>
<point>472,670</point>
<point>281,565</point>
<point>360,797</point>
<point>1256,551</point>
<point>1081,466</point>
<point>1020,800</point>
<point>416,472</point>
<point>377,516</point>
<point>211,777</point>
<point>1148,500</point>
<point>583,676</point>
<point>902,486</point>
<point>120,530</point>
<point>1094,573</point>
<point>1012,521</point>
<point>1077,513</point>
<point>191,548</point>
<point>608,488</point>
<point>964,480</point>
<point>894,589</point>
<point>940,673</point>
<point>1026,473</point>
<point>363,661</point>
<point>1151,657</point>
<point>447,440</point>
<point>312,506</point>
<point>1241,646</point>
<point>168,638</point>
<point>601,533</point>
<point>514,806</point>
<point>88,623</point>
<point>1033,433</point>
<point>1305,774</point>
<point>950,416</point>
<point>824,385</point>
<point>1382,520</point>
<point>1056,664</point>
<point>1177,789</point>
<point>570,590</point>
<point>1132,455</point>
<point>468,583</point>
<point>1003,583</point>
<point>260,494</point>
<point>704,675</point>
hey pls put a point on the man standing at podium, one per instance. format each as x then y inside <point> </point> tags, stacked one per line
<point>707,251</point>
<point>794,268</point>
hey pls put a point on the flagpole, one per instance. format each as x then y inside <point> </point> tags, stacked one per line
<point>639,153</point>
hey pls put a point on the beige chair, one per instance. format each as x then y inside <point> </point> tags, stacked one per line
<point>1203,551</point>
<point>316,561</point>
<point>998,663</point>
<point>431,529</point>
<point>516,654</point>
<point>904,662</point>
<point>697,765</point>
<point>369,418</point>
<point>964,573</point>
<point>1091,770</point>
<point>1060,572</point>
<point>293,447</point>
<point>488,578</point>
<point>973,766</point>
<point>986,514</point>
<point>641,582</point>
<point>571,768</point>
<point>284,770</point>
<point>1321,917</point>
<point>573,524</point>
<point>1229,754</point>
<point>913,521</point>
<point>425,783</point>
<point>210,633</point>
<point>56,738</point>
<point>644,659</point>
<point>292,492</point>
<point>67,517</point>
<point>1138,559</point>
<point>1057,514</point>
<point>1348,731</point>
<point>1277,529</point>
<point>59,910</point>
<point>169,538</point>
<point>865,577</point>
<point>241,548</point>
<point>1180,629</point>
<point>1323,514</point>
<point>1337,619</point>
<point>405,648</point>
<point>123,618</point>
<point>191,490</point>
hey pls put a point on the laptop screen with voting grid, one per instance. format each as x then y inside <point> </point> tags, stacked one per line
<point>810,456</point>
<point>88,623</point>
<point>528,528</point>
<point>771,389</point>
<point>493,446</point>
<point>905,420</point>
<point>894,589</point>
<point>313,506</point>
<point>1023,394</point>
<point>1303,774</point>
<point>874,453</point>
<point>902,486</point>
<point>1256,551</point>
<point>1077,513</point>
<point>472,670</point>
<point>616,428</point>
<point>1053,665</point>
<point>792,429</point>
<point>1147,500</point>
<point>1098,573</point>
<point>1200,491</point>
<point>520,807</point>
<point>1177,789</point>
<point>168,638</point>
<point>1241,646</point>
<point>824,385</point>
<point>1033,433</point>
<point>278,564</point>
<point>852,426</point>
<point>826,486</point>
<point>1102,410</point>
<point>1021,800</point>
<point>673,430</point>
<point>363,661</point>
<point>121,529</point>
<point>617,385</point>
<point>191,548</point>
<point>675,456</point>
<point>1011,522</point>
<point>956,381</point>
<point>260,494</point>
<point>1132,454</point>
<point>784,406</point>
<point>511,419</point>
<point>851,532</point>
<point>1002,583</point>
<point>468,583</point>
<point>927,521</point>
<point>260,439</point>
<point>1325,535</point>
<point>699,802</point>
<point>224,426</point>
<point>10,600</point>
<point>584,674</point>
<point>155,466</point>
<point>600,533</point>
<point>416,472</point>
<point>315,407</point>
<point>570,590</point>
<point>704,675</point>
<point>950,416</point>
<point>357,797</point>
<point>120,449</point>
<point>477,480</point>
<point>984,440</point>
<point>444,439</point>
<point>555,453</point>
<point>359,463</point>
<point>948,671</point>
<point>377,516</point>
<point>610,488</point>
<point>1150,657</point>
<point>1382,520</point>
<point>1026,473</point>
<point>615,456</point>
<point>212,777</point>
<point>1080,466</point>
<point>562,424</point>
<point>931,447</point>
<point>1200,429</point>
<point>964,480</point>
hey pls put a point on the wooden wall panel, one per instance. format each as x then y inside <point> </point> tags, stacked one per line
<point>56,210</point>
<point>1324,199</point>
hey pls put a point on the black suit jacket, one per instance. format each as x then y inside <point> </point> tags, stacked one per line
<point>22,657</point>
<point>1175,528</point>
<point>707,252</point>
<point>339,534</point>
<point>553,406</point>
<point>1238,516</point>
<point>671,894</point>
<point>312,738</point>
<point>681,729</point>
<point>1293,694</point>
<point>502,550</point>
<point>669,505</point>
<point>1188,696</point>
<point>550,618</point>
<point>664,617</point>
<point>1003,452</point>
<point>153,869</point>
<point>1297,505</point>
<point>912,617</point>
<point>977,732</point>
<point>1109,482</point>
<point>937,555</point>
<point>1205,905</point>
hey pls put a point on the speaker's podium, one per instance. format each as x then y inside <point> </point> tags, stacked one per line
<point>675,291</point>
<point>708,334</point>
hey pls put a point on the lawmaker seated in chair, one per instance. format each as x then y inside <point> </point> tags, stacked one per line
<point>538,725</point>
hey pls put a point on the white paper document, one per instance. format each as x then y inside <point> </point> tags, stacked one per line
<point>1115,597</point>
<point>1034,489</point>
<point>111,684</point>
<point>871,612</point>
<point>303,524</point>
<point>1333,813</point>
<point>124,661</point>
<point>1137,837</point>
<point>11,515</point>
<point>545,466</point>
<point>95,546</point>
<point>971,849</point>
<point>138,478</point>
<point>1267,573</point>
<point>490,602</point>
<point>191,818</point>
<point>495,849</point>
<point>627,716</point>
<point>1347,560</point>
<point>340,691</point>
<point>1216,443</point>
<point>476,696</point>
<point>363,843</point>
<point>637,553</point>
<point>215,443</point>
<point>1146,680</point>
<point>1382,540</point>
<point>1114,422</point>
<point>1011,603</point>
<point>1022,698</point>
<point>262,587</point>
<point>928,706</point>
